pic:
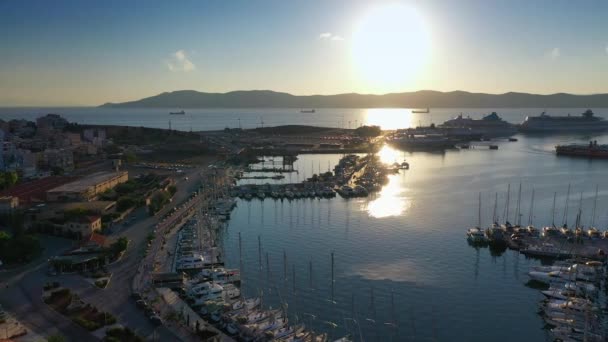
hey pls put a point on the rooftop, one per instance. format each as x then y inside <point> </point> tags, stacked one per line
<point>85,183</point>
<point>35,190</point>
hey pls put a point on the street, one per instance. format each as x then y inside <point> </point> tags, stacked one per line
<point>23,295</point>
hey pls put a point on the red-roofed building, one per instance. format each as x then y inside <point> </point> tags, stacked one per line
<point>94,241</point>
<point>35,191</point>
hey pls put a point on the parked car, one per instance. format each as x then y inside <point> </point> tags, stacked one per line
<point>141,303</point>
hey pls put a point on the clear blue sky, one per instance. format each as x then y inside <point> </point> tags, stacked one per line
<point>91,52</point>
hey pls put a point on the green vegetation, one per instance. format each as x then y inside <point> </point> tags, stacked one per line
<point>121,335</point>
<point>172,190</point>
<point>55,338</point>
<point>119,246</point>
<point>8,179</point>
<point>159,199</point>
<point>150,237</point>
<point>368,131</point>
<point>125,203</point>
<point>20,248</point>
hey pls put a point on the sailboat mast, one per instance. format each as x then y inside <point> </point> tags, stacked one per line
<point>508,200</point>
<point>580,211</point>
<point>553,210</point>
<point>494,218</point>
<point>530,215</point>
<point>566,207</point>
<point>479,213</point>
<point>518,218</point>
<point>594,207</point>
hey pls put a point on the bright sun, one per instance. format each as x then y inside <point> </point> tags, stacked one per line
<point>389,47</point>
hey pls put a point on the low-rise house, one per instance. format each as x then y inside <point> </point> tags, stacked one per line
<point>8,204</point>
<point>82,226</point>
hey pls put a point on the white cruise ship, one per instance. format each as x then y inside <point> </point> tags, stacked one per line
<point>585,122</point>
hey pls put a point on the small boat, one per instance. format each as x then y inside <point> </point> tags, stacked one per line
<point>512,139</point>
<point>421,111</point>
<point>493,147</point>
<point>307,111</point>
<point>181,112</point>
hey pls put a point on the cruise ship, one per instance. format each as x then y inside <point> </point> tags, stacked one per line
<point>585,122</point>
<point>490,125</point>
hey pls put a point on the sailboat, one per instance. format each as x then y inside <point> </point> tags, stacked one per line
<point>507,227</point>
<point>530,228</point>
<point>593,232</point>
<point>494,233</point>
<point>476,234</point>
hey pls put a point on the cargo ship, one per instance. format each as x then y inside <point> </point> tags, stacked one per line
<point>590,150</point>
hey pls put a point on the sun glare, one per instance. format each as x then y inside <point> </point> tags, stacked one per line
<point>390,45</point>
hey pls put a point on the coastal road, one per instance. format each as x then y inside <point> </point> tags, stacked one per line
<point>116,298</point>
<point>22,297</point>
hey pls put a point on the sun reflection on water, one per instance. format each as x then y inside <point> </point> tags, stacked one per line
<point>389,118</point>
<point>390,155</point>
<point>390,201</point>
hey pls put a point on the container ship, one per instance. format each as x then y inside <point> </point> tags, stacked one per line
<point>590,150</point>
<point>585,122</point>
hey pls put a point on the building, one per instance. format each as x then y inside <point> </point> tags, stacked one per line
<point>51,121</point>
<point>57,159</point>
<point>87,189</point>
<point>8,204</point>
<point>82,226</point>
<point>96,136</point>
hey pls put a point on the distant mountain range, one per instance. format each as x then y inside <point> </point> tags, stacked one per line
<point>417,99</point>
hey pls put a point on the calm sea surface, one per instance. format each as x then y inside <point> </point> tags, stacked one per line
<point>405,244</point>
<point>214,119</point>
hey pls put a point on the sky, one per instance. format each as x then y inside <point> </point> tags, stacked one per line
<point>70,53</point>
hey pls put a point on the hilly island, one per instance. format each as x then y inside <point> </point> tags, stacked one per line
<point>417,99</point>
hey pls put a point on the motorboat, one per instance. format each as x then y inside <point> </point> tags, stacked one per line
<point>205,290</point>
<point>192,262</point>
<point>248,304</point>
<point>570,289</point>
<point>545,250</point>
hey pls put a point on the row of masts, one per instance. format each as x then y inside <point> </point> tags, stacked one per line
<point>392,323</point>
<point>518,214</point>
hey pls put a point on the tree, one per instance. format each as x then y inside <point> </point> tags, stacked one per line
<point>368,131</point>
<point>124,203</point>
<point>55,338</point>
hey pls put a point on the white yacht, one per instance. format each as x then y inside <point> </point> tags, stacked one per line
<point>568,290</point>
<point>191,262</point>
